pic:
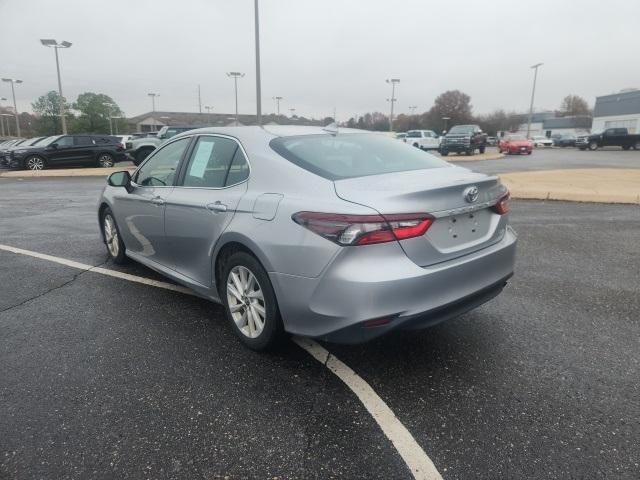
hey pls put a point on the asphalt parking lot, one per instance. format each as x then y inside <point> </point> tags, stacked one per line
<point>104,378</point>
<point>555,158</point>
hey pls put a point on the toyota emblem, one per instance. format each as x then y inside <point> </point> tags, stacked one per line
<point>470,194</point>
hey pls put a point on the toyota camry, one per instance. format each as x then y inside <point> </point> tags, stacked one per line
<point>341,235</point>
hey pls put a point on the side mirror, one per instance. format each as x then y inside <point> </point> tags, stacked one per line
<point>54,145</point>
<point>162,137</point>
<point>120,179</point>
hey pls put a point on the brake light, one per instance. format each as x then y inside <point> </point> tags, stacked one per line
<point>502,206</point>
<point>345,229</point>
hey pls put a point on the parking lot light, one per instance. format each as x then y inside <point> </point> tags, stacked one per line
<point>235,76</point>
<point>392,100</point>
<point>55,45</point>
<point>2,99</point>
<point>533,92</point>
<point>13,82</point>
<point>277,99</point>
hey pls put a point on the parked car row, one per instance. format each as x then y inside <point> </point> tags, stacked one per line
<point>460,139</point>
<point>62,150</point>
<point>137,149</point>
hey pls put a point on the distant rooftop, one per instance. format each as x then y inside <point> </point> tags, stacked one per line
<point>580,121</point>
<point>626,102</point>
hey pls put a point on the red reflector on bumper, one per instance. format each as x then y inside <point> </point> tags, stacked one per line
<point>376,322</point>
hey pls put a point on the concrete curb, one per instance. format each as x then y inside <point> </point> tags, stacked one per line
<point>472,158</point>
<point>596,185</point>
<point>64,172</point>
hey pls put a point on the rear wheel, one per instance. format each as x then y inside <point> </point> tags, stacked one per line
<point>636,146</point>
<point>105,160</point>
<point>34,163</point>
<point>444,153</point>
<point>470,153</point>
<point>112,238</point>
<point>250,302</point>
<point>626,147</point>
<point>593,146</point>
<point>482,150</point>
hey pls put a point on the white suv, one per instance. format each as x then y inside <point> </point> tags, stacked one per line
<point>424,139</point>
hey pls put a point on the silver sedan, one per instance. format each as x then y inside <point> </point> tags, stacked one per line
<point>341,236</point>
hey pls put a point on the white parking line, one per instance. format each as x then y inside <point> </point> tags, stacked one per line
<point>421,466</point>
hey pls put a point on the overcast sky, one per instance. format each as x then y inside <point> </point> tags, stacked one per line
<point>321,54</point>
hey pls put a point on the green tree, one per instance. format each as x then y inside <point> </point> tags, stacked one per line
<point>94,112</point>
<point>574,105</point>
<point>47,106</point>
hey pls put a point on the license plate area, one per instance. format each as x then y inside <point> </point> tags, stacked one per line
<point>461,231</point>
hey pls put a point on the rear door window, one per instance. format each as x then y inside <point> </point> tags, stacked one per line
<point>210,161</point>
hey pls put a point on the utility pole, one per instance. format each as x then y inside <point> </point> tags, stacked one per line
<point>277,99</point>
<point>235,76</point>
<point>393,82</point>
<point>533,92</point>
<point>199,100</point>
<point>13,81</point>
<point>258,86</point>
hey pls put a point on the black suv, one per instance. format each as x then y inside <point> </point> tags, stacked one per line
<point>463,139</point>
<point>68,150</point>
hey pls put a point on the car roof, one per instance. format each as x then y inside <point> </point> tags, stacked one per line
<point>274,130</point>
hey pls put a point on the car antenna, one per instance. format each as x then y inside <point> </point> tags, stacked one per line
<point>332,128</point>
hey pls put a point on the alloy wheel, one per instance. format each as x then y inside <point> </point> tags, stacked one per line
<point>246,301</point>
<point>35,163</point>
<point>105,161</point>
<point>111,236</point>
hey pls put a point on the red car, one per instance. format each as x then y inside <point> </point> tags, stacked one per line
<point>515,144</point>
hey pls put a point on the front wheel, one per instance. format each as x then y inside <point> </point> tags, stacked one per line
<point>112,238</point>
<point>34,163</point>
<point>444,153</point>
<point>250,302</point>
<point>593,146</point>
<point>482,150</point>
<point>636,146</point>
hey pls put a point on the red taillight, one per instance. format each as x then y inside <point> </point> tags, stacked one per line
<point>364,229</point>
<point>502,206</point>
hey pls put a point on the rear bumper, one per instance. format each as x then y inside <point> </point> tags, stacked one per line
<point>361,285</point>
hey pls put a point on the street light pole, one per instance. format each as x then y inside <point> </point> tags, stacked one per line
<point>413,109</point>
<point>533,92</point>
<point>2,99</point>
<point>208,109</point>
<point>277,99</point>
<point>393,82</point>
<point>153,108</point>
<point>13,81</point>
<point>199,100</point>
<point>1,120</point>
<point>258,86</point>
<point>235,76</point>
<point>55,45</point>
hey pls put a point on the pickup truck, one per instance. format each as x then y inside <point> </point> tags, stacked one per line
<point>463,139</point>
<point>138,149</point>
<point>611,137</point>
<point>423,139</point>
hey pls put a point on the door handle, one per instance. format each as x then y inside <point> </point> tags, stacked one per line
<point>157,201</point>
<point>217,207</point>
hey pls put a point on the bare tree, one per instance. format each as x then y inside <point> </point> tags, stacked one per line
<point>574,105</point>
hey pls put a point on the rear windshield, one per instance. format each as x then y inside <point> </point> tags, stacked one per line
<point>353,155</point>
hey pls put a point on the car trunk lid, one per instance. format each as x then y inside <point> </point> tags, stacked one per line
<point>461,226</point>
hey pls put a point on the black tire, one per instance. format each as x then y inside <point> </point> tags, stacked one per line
<point>583,148</point>
<point>115,247</point>
<point>636,146</point>
<point>593,146</point>
<point>482,149</point>
<point>444,153</point>
<point>626,147</point>
<point>529,152</point>
<point>470,153</point>
<point>35,162</point>
<point>142,154</point>
<point>416,145</point>
<point>105,160</point>
<point>272,332</point>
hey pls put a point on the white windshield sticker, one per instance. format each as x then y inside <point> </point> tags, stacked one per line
<point>201,158</point>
